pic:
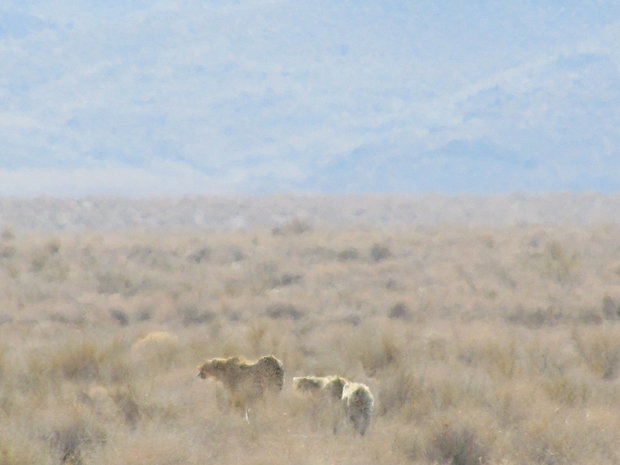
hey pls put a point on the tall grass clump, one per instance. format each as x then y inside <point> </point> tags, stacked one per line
<point>559,263</point>
<point>380,252</point>
<point>456,445</point>
<point>599,349</point>
<point>74,435</point>
<point>375,349</point>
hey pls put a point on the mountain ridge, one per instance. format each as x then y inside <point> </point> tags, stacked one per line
<point>269,96</point>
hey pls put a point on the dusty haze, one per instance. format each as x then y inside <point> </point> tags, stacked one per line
<point>49,214</point>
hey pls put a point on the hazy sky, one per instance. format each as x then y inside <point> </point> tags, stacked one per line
<point>173,97</point>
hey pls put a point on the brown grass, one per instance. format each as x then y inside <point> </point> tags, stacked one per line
<point>481,345</point>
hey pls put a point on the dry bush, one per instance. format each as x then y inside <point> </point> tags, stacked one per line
<point>400,394</point>
<point>400,311</point>
<point>599,348</point>
<point>379,252</point>
<point>281,310</point>
<point>350,253</point>
<point>78,360</point>
<point>491,351</point>
<point>114,282</point>
<point>192,315</point>
<point>75,360</point>
<point>567,390</point>
<point>456,446</point>
<point>74,438</point>
<point>158,346</point>
<point>120,316</point>
<point>294,226</point>
<point>375,349</point>
<point>559,263</point>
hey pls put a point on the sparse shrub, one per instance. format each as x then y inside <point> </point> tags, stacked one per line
<point>611,309</point>
<point>536,318</point>
<point>288,311</point>
<point>236,254</point>
<point>157,347</point>
<point>600,349</point>
<point>268,279</point>
<point>113,282</point>
<point>294,226</point>
<point>48,260</point>
<point>120,316</point>
<point>288,279</point>
<point>256,335</point>
<point>195,316</point>
<point>128,404</point>
<point>57,270</point>
<point>350,253</point>
<point>70,319</point>
<point>8,251</point>
<point>234,287</point>
<point>263,276</point>
<point>151,257</point>
<point>379,253</point>
<point>352,319</point>
<point>375,351</point>
<point>13,270</point>
<point>544,441</point>
<point>72,438</point>
<point>52,247</point>
<point>393,285</point>
<point>495,356</point>
<point>7,234</point>
<point>141,254</point>
<point>488,241</point>
<point>145,314</point>
<point>437,350</point>
<point>457,446</point>
<point>201,255</point>
<point>398,393</point>
<point>567,391</point>
<point>76,360</point>
<point>589,316</point>
<point>400,311</point>
<point>558,263</point>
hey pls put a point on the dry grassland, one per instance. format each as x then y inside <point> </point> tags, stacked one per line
<point>481,345</point>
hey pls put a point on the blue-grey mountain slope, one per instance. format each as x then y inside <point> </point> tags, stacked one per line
<point>182,96</point>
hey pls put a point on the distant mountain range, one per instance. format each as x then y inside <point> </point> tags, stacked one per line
<point>258,96</point>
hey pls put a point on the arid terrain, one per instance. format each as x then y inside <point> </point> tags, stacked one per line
<point>49,214</point>
<point>486,338</point>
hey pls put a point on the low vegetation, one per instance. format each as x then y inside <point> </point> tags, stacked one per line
<point>480,345</point>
